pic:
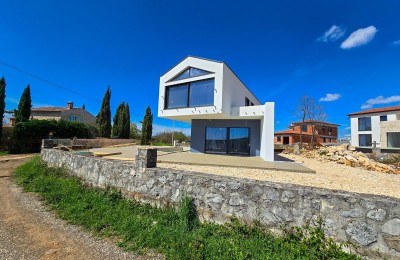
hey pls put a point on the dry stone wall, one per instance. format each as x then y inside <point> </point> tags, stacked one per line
<point>371,222</point>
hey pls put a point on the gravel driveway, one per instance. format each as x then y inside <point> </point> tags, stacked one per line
<point>29,231</point>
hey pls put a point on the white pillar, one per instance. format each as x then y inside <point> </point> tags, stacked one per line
<point>267,133</point>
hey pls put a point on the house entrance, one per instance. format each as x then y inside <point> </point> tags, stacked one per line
<point>228,140</point>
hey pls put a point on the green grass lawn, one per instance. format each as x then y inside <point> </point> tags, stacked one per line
<point>175,233</point>
<point>3,153</point>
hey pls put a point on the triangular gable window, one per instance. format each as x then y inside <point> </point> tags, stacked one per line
<point>190,73</point>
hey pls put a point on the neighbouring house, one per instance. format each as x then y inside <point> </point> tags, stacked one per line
<point>324,133</point>
<point>225,115</point>
<point>380,126</point>
<point>68,113</point>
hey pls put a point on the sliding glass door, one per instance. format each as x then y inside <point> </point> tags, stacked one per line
<point>228,140</point>
<point>239,141</point>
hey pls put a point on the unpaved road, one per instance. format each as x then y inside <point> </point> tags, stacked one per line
<point>28,230</point>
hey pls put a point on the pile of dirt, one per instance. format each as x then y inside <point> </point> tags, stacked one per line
<point>343,154</point>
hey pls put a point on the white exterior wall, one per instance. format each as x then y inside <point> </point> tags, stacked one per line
<point>235,92</point>
<point>229,101</point>
<point>186,114</point>
<point>375,126</point>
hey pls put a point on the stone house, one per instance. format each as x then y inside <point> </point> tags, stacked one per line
<point>68,113</point>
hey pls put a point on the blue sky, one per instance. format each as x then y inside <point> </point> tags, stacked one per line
<point>282,50</point>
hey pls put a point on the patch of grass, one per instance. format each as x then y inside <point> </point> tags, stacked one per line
<point>3,153</point>
<point>176,233</point>
<point>160,143</point>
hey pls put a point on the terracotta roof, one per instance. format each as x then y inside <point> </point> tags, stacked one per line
<point>310,121</point>
<point>291,131</point>
<point>376,110</point>
<point>48,109</point>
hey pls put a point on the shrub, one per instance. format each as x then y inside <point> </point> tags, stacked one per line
<point>27,136</point>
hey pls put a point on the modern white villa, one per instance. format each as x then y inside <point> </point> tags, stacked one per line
<point>225,115</point>
<point>380,125</point>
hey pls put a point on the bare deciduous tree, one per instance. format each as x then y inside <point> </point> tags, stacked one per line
<point>311,112</point>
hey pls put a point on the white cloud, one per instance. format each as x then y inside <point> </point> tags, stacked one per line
<point>396,43</point>
<point>333,34</point>
<point>330,97</point>
<point>360,37</point>
<point>380,100</point>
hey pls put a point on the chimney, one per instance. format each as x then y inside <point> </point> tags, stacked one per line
<point>70,105</point>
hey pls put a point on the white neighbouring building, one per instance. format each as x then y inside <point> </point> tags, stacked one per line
<point>380,125</point>
<point>226,117</point>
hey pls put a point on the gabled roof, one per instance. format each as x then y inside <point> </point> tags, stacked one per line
<point>376,110</point>
<point>48,109</point>
<point>216,61</point>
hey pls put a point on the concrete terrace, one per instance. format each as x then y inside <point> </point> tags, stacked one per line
<point>184,157</point>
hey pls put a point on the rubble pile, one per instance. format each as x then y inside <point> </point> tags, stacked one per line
<point>343,155</point>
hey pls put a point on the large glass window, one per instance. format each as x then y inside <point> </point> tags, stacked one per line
<point>393,140</point>
<point>216,140</point>
<point>239,140</point>
<point>201,93</point>
<point>190,73</point>
<point>365,140</point>
<point>364,124</point>
<point>177,96</point>
<point>231,140</point>
<point>192,94</point>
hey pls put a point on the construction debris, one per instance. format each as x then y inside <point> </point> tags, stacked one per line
<point>343,154</point>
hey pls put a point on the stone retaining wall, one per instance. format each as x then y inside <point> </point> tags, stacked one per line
<point>89,143</point>
<point>371,222</point>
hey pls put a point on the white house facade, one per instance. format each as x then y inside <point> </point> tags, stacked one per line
<point>380,126</point>
<point>226,117</point>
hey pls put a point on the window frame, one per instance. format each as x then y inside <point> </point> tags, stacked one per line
<point>366,143</point>
<point>166,94</point>
<point>383,116</point>
<point>360,119</point>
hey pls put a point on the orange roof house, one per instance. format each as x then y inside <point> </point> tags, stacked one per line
<point>324,133</point>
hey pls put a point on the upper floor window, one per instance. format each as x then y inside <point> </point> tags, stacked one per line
<point>190,73</point>
<point>74,118</point>
<point>246,102</point>
<point>383,118</point>
<point>304,128</point>
<point>364,124</point>
<point>192,94</point>
<point>251,104</point>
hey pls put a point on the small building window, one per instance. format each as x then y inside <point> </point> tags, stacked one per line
<point>278,138</point>
<point>304,128</point>
<point>74,118</point>
<point>364,124</point>
<point>383,118</point>
<point>246,102</point>
<point>251,104</point>
<point>365,140</point>
<point>393,140</point>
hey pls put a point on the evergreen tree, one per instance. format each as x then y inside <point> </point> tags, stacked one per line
<point>117,121</point>
<point>147,127</point>
<point>23,112</point>
<point>2,102</point>
<point>125,122</point>
<point>104,117</point>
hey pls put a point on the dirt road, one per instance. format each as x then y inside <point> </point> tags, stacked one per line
<point>28,230</point>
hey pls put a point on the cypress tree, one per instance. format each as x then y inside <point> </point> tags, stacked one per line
<point>104,116</point>
<point>117,121</point>
<point>125,122</point>
<point>147,127</point>
<point>2,102</point>
<point>24,106</point>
